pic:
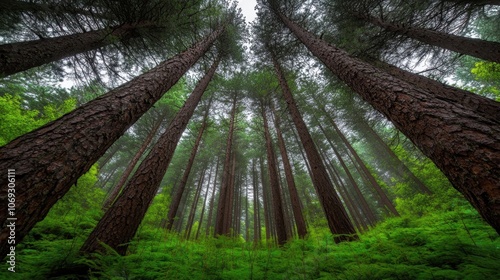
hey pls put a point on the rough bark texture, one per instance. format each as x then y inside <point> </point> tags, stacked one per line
<point>292,189</point>
<point>482,49</point>
<point>18,57</point>
<point>176,199</point>
<point>130,167</point>
<point>119,224</point>
<point>222,208</point>
<point>49,160</point>
<point>336,215</point>
<point>464,145</point>
<point>487,108</point>
<point>279,220</point>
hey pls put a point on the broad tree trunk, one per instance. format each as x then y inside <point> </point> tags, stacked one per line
<point>336,215</point>
<point>279,219</point>
<point>176,199</point>
<point>119,224</point>
<point>49,160</point>
<point>487,108</point>
<point>18,57</point>
<point>292,189</point>
<point>222,208</point>
<point>464,145</point>
<point>487,50</point>
<point>130,167</point>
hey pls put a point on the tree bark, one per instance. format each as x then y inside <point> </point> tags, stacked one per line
<point>279,219</point>
<point>130,167</point>
<point>336,215</point>
<point>119,224</point>
<point>49,160</point>
<point>176,199</point>
<point>482,49</point>
<point>465,146</point>
<point>292,189</point>
<point>21,56</point>
<point>222,208</point>
<point>485,107</point>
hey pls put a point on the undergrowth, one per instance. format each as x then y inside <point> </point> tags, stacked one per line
<point>449,245</point>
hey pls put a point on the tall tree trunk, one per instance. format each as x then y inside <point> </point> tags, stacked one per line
<point>212,199</point>
<point>465,146</point>
<point>364,170</point>
<point>485,107</point>
<point>49,160</point>
<point>176,199</point>
<point>200,222</point>
<point>130,167</point>
<point>265,199</point>
<point>119,224</point>
<point>228,222</point>
<point>279,219</point>
<point>247,218</point>
<point>18,57</point>
<point>487,50</point>
<point>256,206</point>
<point>194,204</point>
<point>336,215</point>
<point>292,189</point>
<point>223,202</point>
<point>354,185</point>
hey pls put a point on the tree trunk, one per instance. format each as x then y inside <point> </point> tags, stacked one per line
<point>482,49</point>
<point>465,146</point>
<point>18,57</point>
<point>485,107</point>
<point>292,189</point>
<point>279,219</point>
<point>119,224</point>
<point>223,202</point>
<point>176,199</point>
<point>204,203</point>
<point>130,167</point>
<point>49,160</point>
<point>256,206</point>
<point>194,205</point>
<point>212,199</point>
<point>336,215</point>
<point>265,199</point>
<point>364,204</point>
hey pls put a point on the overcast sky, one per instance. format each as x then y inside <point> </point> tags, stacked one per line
<point>247,8</point>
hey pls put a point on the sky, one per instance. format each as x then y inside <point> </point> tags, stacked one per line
<point>247,9</point>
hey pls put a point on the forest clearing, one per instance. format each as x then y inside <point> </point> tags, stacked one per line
<point>173,139</point>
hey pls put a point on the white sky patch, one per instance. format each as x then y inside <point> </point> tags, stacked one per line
<point>248,9</point>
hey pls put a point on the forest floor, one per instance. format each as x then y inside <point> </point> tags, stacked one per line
<point>453,245</point>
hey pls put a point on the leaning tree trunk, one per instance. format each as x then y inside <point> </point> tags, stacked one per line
<point>18,57</point>
<point>482,49</point>
<point>115,191</point>
<point>292,189</point>
<point>119,224</point>
<point>487,108</point>
<point>464,145</point>
<point>336,215</point>
<point>49,160</point>
<point>176,199</point>
<point>279,219</point>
